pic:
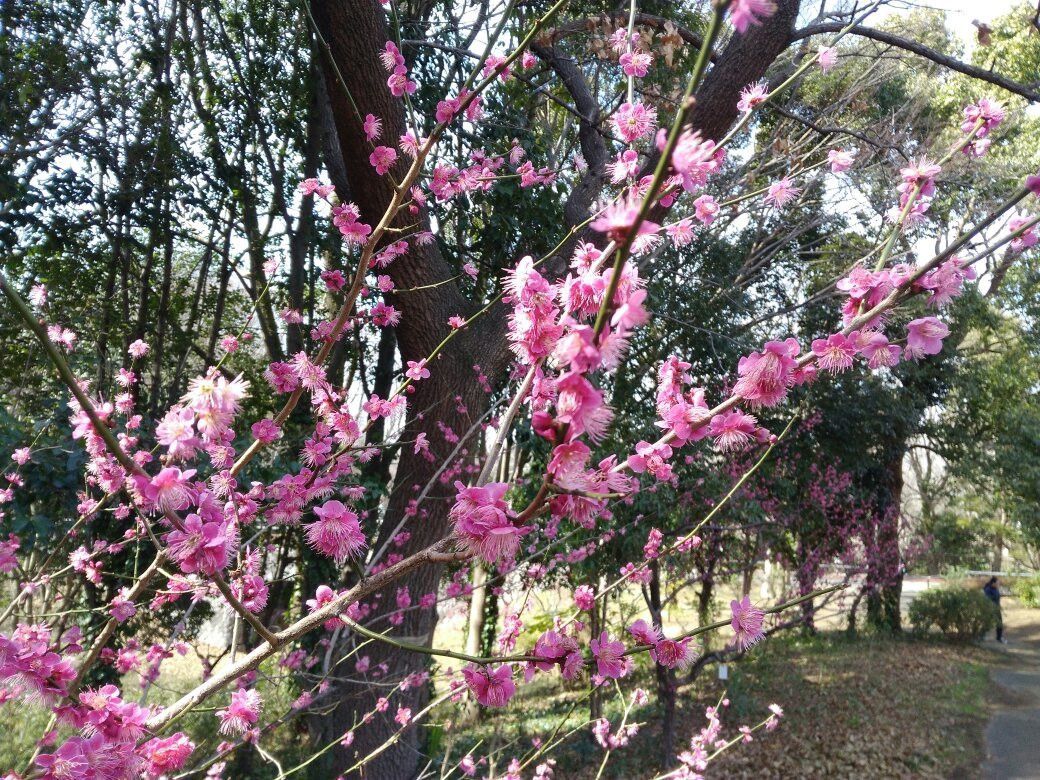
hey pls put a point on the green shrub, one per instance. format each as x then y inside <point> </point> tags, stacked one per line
<point>1028,590</point>
<point>959,613</point>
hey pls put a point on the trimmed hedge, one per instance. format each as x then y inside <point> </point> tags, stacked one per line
<point>958,613</point>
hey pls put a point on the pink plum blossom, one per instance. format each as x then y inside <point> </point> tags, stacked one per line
<point>635,63</point>
<point>834,353</point>
<point>653,459</point>
<point>746,623</point>
<point>610,656</point>
<point>482,521</point>
<point>417,370</point>
<point>202,546</point>
<point>766,376</point>
<point>337,532</point>
<point>373,126</point>
<point>781,193</point>
<point>491,687</point>
<point>752,96</point>
<point>828,57</point>
<point>584,598</point>
<point>706,209</point>
<point>732,430</point>
<point>744,13</point>
<point>382,159</point>
<point>925,336</point>
<point>241,714</point>
<point>633,121</point>
<point>840,160</point>
<point>138,349</point>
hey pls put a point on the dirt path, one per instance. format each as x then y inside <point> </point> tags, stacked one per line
<point>1013,733</point>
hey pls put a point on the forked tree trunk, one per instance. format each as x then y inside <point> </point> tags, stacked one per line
<point>355,32</point>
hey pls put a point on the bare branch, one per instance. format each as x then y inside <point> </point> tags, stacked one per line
<point>835,130</point>
<point>648,20</point>
<point>920,49</point>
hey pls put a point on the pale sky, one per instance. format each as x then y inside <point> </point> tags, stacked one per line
<point>959,13</point>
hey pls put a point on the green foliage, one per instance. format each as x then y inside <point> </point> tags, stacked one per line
<point>1013,45</point>
<point>957,540</point>
<point>958,613</point>
<point>1027,589</point>
<point>987,432</point>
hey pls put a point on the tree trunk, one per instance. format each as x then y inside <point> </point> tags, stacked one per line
<point>301,238</point>
<point>747,578</point>
<point>378,468</point>
<point>489,634</point>
<point>163,313</point>
<point>805,586</point>
<point>667,690</point>
<point>107,310</point>
<point>850,628</point>
<point>475,629</point>
<point>704,603</point>
<point>355,32</point>
<point>667,686</point>
<point>998,543</point>
<point>475,625</point>
<point>885,570</point>
<point>744,61</point>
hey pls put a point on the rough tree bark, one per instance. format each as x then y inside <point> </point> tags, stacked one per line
<point>667,683</point>
<point>743,61</point>
<point>806,580</point>
<point>355,32</point>
<point>883,611</point>
<point>301,237</point>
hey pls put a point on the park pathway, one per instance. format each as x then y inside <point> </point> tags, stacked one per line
<point>1013,733</point>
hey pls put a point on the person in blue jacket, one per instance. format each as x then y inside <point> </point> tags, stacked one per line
<point>992,590</point>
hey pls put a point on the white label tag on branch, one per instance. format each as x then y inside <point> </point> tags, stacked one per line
<point>723,671</point>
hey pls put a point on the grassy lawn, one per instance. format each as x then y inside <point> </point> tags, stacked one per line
<point>853,708</point>
<point>21,723</point>
<point>868,707</point>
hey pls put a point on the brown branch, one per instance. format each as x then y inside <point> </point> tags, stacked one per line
<point>366,587</point>
<point>835,130</point>
<point>647,20</point>
<point>110,628</point>
<point>928,53</point>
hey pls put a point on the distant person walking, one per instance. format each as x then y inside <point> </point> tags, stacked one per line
<point>992,591</point>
